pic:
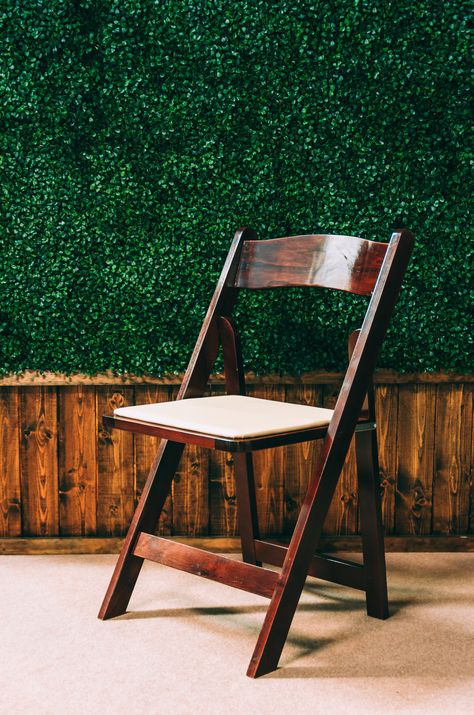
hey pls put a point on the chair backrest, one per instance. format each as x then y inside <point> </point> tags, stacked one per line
<point>345,263</point>
<point>340,262</point>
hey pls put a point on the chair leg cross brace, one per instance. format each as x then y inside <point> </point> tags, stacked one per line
<point>246,577</point>
<point>297,561</point>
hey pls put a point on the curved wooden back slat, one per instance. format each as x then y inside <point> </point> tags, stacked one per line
<point>341,262</point>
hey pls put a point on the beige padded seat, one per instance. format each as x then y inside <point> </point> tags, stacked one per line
<point>229,416</point>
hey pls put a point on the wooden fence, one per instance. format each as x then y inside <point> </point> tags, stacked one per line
<point>63,475</point>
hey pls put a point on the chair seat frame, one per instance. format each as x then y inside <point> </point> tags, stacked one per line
<point>372,269</point>
<point>201,439</point>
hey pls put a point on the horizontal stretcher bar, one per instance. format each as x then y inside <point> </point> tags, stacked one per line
<point>246,577</point>
<point>346,573</point>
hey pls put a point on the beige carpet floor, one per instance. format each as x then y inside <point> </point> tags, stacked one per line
<point>185,645</point>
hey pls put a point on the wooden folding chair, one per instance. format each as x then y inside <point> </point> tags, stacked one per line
<point>240,424</point>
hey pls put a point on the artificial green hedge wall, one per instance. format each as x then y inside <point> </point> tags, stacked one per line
<point>138,135</point>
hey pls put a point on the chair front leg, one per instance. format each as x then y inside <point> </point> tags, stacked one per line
<point>146,517</point>
<point>298,557</point>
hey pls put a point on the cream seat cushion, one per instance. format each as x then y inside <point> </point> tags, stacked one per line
<point>229,416</point>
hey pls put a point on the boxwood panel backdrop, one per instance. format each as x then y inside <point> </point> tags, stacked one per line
<point>137,136</point>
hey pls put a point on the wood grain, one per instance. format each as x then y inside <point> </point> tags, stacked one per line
<point>203,563</point>
<point>416,438</point>
<point>115,493</point>
<point>77,462</point>
<point>10,487</point>
<point>451,447</point>
<point>146,448</point>
<point>269,470</point>
<point>222,500</point>
<point>342,518</point>
<point>386,411</point>
<point>327,471</point>
<point>39,461</point>
<point>190,492</point>
<point>343,262</point>
<point>299,458</point>
<point>451,486</point>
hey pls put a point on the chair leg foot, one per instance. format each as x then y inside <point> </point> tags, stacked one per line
<point>275,628</point>
<point>106,613</point>
<point>258,668</point>
<point>121,587</point>
<point>282,607</point>
<point>377,600</point>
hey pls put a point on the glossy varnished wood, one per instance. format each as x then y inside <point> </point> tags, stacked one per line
<point>244,478</point>
<point>316,503</point>
<point>371,524</point>
<point>270,469</point>
<point>212,442</point>
<point>146,516</point>
<point>370,510</point>
<point>206,564</point>
<point>346,573</point>
<point>250,444</point>
<point>341,262</point>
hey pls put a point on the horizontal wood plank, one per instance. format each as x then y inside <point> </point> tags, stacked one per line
<point>425,447</point>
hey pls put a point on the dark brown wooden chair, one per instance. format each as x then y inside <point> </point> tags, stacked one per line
<point>240,424</point>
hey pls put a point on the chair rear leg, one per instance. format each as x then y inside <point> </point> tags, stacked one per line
<point>146,516</point>
<point>246,505</point>
<point>371,524</point>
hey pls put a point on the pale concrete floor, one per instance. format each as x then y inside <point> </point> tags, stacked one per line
<point>186,644</point>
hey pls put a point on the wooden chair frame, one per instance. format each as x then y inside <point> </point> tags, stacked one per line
<point>347,263</point>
